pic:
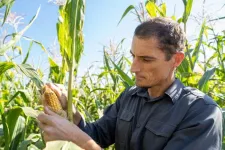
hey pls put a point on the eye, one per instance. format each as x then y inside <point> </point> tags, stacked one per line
<point>147,60</point>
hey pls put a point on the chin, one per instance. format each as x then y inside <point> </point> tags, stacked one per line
<point>143,85</point>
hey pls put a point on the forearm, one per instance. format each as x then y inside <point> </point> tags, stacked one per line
<point>84,141</point>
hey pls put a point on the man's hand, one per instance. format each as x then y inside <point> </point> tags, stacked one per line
<point>61,93</point>
<point>55,127</point>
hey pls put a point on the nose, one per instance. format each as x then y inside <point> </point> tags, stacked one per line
<point>135,67</point>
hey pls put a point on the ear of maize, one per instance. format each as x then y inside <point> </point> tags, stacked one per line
<point>52,101</point>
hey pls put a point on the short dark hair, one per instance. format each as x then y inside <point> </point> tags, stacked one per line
<point>169,33</point>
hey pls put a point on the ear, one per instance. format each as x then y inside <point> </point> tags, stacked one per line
<point>178,57</point>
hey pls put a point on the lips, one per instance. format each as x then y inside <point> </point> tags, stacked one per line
<point>139,77</point>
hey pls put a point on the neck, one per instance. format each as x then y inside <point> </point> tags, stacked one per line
<point>159,90</point>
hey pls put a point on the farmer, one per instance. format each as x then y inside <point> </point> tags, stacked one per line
<point>159,113</point>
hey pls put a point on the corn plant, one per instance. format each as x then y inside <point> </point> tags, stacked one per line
<point>19,101</point>
<point>18,94</point>
<point>69,29</point>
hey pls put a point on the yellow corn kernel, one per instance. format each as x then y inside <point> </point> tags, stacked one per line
<point>51,99</point>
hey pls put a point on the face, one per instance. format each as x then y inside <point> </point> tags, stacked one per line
<point>150,65</point>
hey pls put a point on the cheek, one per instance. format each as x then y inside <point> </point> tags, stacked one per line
<point>157,71</point>
<point>152,73</point>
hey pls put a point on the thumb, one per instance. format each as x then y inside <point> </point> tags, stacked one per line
<point>48,111</point>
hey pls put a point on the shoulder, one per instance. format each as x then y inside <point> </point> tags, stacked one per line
<point>194,95</point>
<point>200,108</point>
<point>199,102</point>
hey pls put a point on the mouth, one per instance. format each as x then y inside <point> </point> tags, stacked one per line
<point>139,77</point>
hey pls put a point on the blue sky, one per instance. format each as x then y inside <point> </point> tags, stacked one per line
<point>101,18</point>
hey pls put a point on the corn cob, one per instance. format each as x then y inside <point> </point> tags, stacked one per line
<point>52,101</point>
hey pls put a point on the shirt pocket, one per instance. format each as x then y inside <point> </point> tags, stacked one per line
<point>123,129</point>
<point>157,134</point>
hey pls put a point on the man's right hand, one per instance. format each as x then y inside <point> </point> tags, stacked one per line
<point>61,93</point>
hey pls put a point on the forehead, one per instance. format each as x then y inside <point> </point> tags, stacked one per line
<point>148,46</point>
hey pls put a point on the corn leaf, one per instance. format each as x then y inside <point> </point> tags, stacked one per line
<point>127,60</point>
<point>17,132</point>
<point>187,11</point>
<point>160,10</point>
<point>4,66</point>
<point>24,94</point>
<point>28,52</point>
<point>151,9</point>
<point>184,67</point>
<point>129,8</point>
<point>16,125</point>
<point>216,19</point>
<point>1,130</point>
<point>205,78</point>
<point>109,68</point>
<point>163,7</point>
<point>61,145</point>
<point>5,130</point>
<point>30,73</point>
<point>56,74</point>
<point>30,112</point>
<point>16,37</point>
<point>196,51</point>
<point>8,4</point>
<point>123,75</point>
<point>36,42</point>
<point>5,2</point>
<point>69,30</point>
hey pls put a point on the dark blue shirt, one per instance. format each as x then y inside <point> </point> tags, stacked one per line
<point>182,119</point>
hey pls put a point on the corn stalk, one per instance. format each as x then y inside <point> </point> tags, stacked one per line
<point>70,38</point>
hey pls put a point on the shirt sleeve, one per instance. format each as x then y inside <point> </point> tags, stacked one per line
<point>201,129</point>
<point>103,130</point>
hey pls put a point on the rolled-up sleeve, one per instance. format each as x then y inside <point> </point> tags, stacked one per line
<point>201,129</point>
<point>103,130</point>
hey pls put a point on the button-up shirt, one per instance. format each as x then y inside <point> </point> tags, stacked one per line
<point>182,119</point>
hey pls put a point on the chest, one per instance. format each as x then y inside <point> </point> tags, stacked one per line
<point>146,125</point>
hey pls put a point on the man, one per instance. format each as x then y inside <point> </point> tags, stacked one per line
<point>159,113</point>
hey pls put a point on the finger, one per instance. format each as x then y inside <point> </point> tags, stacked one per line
<point>42,126</point>
<point>48,111</point>
<point>55,89</point>
<point>60,86</point>
<point>61,94</point>
<point>63,101</point>
<point>43,102</point>
<point>44,118</point>
<point>46,136</point>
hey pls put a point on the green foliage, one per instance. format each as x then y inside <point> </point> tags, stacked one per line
<point>19,96</point>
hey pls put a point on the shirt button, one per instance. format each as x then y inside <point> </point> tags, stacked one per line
<point>138,125</point>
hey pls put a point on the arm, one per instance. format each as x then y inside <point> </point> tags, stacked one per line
<point>103,130</point>
<point>201,129</point>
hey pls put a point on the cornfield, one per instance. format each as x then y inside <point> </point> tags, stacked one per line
<point>203,68</point>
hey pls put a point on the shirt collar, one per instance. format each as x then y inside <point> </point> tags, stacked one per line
<point>174,91</point>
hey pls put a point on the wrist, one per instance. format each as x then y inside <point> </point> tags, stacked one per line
<point>91,145</point>
<point>84,141</point>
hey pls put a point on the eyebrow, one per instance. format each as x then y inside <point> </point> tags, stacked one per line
<point>148,57</point>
